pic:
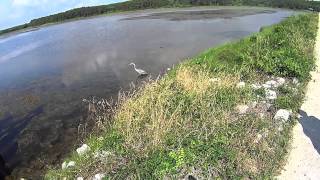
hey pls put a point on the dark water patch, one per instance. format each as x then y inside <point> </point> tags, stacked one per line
<point>9,132</point>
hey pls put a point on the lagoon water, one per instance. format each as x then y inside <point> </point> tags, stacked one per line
<point>45,74</point>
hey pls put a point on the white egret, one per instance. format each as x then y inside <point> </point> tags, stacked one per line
<point>140,71</point>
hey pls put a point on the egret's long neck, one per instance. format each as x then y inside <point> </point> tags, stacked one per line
<point>134,65</point>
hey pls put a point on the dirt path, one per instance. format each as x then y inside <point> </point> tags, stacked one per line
<point>304,158</point>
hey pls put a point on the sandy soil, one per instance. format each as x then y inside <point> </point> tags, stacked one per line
<point>304,158</point>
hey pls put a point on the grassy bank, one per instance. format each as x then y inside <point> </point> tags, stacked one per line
<point>132,5</point>
<point>192,122</point>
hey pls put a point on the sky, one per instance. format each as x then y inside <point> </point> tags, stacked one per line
<point>16,12</point>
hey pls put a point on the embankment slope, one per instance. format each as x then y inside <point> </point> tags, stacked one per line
<point>304,158</point>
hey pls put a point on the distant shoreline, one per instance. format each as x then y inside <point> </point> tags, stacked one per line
<point>137,5</point>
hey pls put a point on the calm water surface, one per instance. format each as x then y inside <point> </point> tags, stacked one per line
<point>45,74</point>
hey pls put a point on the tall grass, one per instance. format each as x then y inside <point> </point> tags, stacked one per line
<point>186,124</point>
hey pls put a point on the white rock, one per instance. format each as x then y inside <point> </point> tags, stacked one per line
<point>83,149</point>
<point>268,105</point>
<point>64,165</point>
<point>71,164</point>
<point>271,83</point>
<point>242,109</point>
<point>295,81</point>
<point>266,86</point>
<point>282,114</point>
<point>280,128</point>
<point>241,84</point>
<point>80,178</point>
<point>98,176</point>
<point>258,138</point>
<point>270,94</point>
<point>255,86</point>
<point>281,81</point>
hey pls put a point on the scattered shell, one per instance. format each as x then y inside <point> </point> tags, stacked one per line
<point>241,84</point>
<point>242,109</point>
<point>282,114</point>
<point>83,149</point>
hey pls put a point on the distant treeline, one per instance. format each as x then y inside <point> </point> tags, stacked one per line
<point>146,4</point>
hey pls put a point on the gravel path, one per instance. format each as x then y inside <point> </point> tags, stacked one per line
<point>304,158</point>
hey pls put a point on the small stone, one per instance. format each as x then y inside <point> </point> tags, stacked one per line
<point>98,176</point>
<point>64,165</point>
<point>242,109</point>
<point>241,84</point>
<point>83,149</point>
<point>270,94</point>
<point>71,164</point>
<point>281,81</point>
<point>282,114</point>
<point>80,178</point>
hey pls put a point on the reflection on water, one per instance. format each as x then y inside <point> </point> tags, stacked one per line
<point>57,66</point>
